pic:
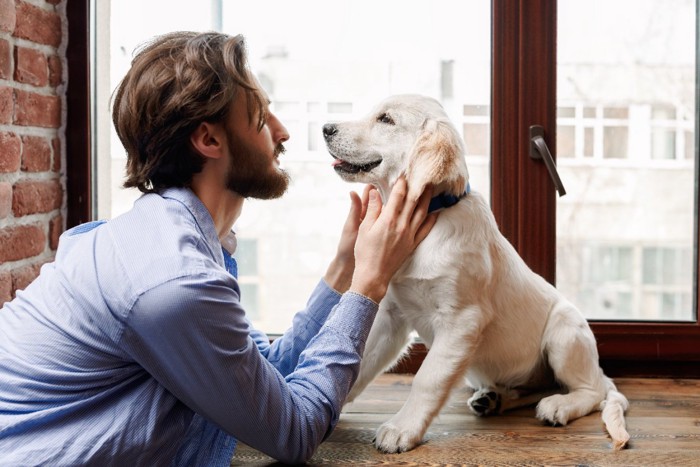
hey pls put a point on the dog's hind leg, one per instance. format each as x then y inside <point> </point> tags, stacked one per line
<point>496,400</point>
<point>387,341</point>
<point>571,352</point>
<point>493,401</point>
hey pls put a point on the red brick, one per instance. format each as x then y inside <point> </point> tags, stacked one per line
<point>5,59</point>
<point>55,231</point>
<point>5,287</point>
<point>21,241</point>
<point>10,152</point>
<point>56,146</point>
<point>7,104</point>
<point>24,275</point>
<point>31,197</point>
<point>5,199</point>
<point>36,154</point>
<point>8,15</point>
<point>55,70</point>
<point>37,25</point>
<point>31,67</point>
<point>37,110</point>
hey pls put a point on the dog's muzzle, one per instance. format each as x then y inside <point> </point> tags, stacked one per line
<point>342,166</point>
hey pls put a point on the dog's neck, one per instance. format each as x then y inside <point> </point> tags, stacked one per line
<point>442,200</point>
<point>446,200</point>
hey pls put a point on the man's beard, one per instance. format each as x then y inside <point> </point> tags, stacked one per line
<point>251,176</point>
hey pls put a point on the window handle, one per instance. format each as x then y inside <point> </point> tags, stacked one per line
<point>539,150</point>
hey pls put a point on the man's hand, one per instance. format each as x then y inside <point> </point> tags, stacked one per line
<point>341,269</point>
<point>387,236</point>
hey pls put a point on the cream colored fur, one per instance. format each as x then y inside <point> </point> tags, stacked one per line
<point>485,316</point>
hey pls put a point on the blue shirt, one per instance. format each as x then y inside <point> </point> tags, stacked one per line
<point>132,348</point>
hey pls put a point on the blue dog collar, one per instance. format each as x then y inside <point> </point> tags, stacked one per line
<point>445,200</point>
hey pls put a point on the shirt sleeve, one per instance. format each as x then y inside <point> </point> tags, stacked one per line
<point>284,351</point>
<point>191,335</point>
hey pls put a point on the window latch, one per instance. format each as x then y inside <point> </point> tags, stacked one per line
<point>539,150</point>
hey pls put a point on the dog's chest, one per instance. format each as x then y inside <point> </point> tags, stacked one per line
<point>423,303</point>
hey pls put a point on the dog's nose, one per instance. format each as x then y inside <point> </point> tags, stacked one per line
<point>329,129</point>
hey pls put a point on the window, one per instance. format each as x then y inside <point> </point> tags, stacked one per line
<point>246,256</point>
<point>608,280</point>
<point>664,275</point>
<point>536,72</point>
<point>632,282</point>
<point>525,89</point>
<point>630,88</point>
<point>312,81</point>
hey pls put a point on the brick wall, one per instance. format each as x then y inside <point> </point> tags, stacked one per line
<point>32,97</point>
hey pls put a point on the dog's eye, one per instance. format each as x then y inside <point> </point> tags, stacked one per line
<point>385,118</point>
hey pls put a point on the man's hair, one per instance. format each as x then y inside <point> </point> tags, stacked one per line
<point>176,82</point>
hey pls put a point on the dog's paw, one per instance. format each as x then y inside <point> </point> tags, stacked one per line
<point>485,402</point>
<point>393,439</point>
<point>554,410</point>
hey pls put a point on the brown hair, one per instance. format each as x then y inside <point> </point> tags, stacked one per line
<point>176,82</point>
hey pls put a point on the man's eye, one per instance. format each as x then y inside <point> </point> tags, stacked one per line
<point>385,118</point>
<point>262,119</point>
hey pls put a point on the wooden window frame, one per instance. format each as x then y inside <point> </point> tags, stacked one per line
<point>523,94</point>
<point>78,115</point>
<point>524,43</point>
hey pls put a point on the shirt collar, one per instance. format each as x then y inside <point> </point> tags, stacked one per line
<point>201,216</point>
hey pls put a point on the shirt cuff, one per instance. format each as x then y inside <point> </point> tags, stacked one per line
<point>353,316</point>
<point>323,281</point>
<point>322,301</point>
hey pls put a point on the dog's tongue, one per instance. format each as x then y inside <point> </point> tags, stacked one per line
<point>337,162</point>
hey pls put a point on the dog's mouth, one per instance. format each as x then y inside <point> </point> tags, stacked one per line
<point>342,166</point>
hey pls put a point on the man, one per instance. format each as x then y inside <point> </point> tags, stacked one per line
<point>132,347</point>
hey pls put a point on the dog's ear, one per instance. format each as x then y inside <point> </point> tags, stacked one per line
<point>437,158</point>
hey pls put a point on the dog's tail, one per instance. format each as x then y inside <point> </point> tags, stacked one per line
<point>613,409</point>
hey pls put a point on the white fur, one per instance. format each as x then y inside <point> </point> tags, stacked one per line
<point>484,315</point>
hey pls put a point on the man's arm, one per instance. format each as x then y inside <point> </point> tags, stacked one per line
<point>198,346</point>
<point>284,351</point>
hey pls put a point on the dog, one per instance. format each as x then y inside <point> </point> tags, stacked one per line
<point>485,316</point>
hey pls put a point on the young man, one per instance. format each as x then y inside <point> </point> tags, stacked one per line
<point>132,348</point>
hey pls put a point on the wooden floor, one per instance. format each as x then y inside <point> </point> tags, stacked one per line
<point>663,421</point>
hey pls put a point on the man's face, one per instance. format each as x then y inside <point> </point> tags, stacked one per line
<point>254,169</point>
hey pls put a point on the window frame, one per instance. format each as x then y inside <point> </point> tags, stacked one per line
<point>79,190</point>
<point>625,348</point>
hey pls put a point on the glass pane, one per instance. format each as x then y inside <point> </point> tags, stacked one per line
<point>320,63</point>
<point>625,243</point>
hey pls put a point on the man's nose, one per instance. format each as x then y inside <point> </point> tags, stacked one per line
<point>279,130</point>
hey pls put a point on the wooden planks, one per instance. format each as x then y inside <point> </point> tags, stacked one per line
<point>663,420</point>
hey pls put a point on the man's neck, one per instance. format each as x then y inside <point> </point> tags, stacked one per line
<point>224,205</point>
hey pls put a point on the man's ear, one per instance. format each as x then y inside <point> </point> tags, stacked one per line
<point>437,158</point>
<point>208,140</point>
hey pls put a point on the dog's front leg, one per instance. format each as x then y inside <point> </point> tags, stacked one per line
<point>442,369</point>
<point>387,340</point>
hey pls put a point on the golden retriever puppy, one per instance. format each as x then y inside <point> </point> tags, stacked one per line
<point>482,312</point>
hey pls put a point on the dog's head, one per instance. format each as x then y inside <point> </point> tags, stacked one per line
<point>407,135</point>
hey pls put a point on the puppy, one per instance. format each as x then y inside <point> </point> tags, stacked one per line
<point>482,312</point>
